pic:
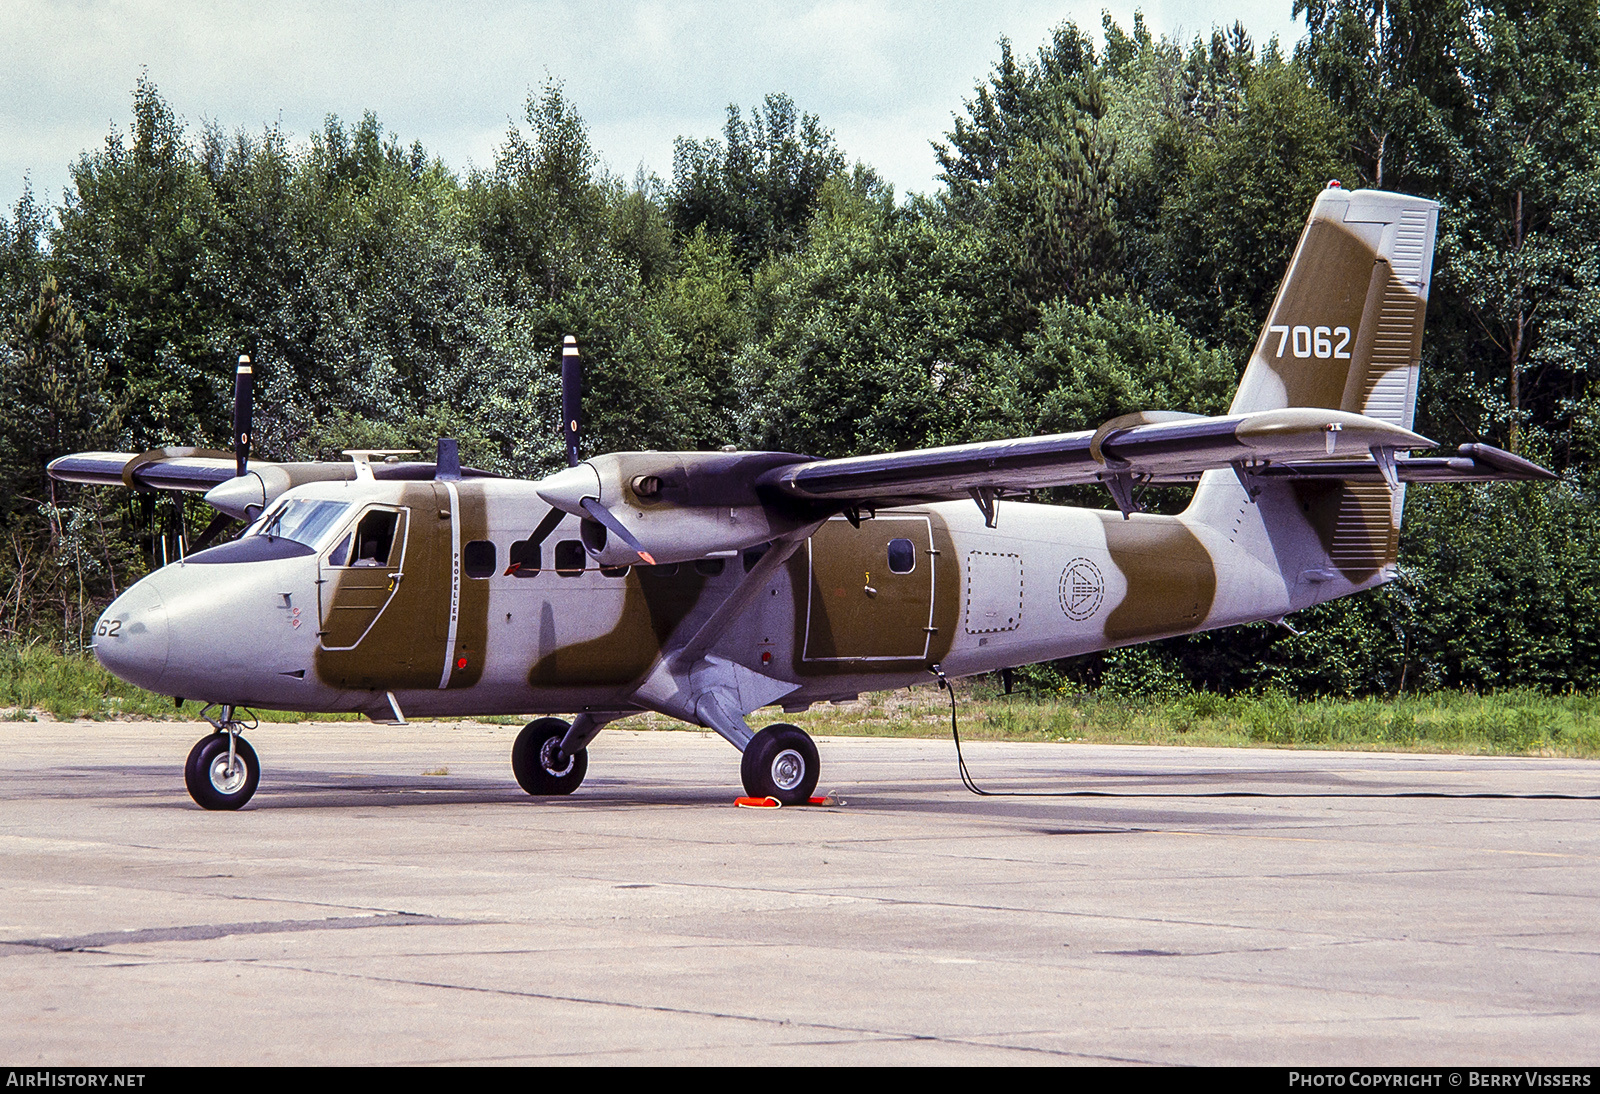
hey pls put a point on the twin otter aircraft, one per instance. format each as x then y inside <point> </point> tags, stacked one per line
<point>707,585</point>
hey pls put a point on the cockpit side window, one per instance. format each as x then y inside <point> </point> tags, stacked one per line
<point>374,538</point>
<point>374,541</point>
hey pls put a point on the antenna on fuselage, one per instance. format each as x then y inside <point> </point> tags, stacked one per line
<point>571,396</point>
<point>447,464</point>
<point>243,382</point>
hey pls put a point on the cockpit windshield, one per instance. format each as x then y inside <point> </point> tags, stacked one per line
<point>304,520</point>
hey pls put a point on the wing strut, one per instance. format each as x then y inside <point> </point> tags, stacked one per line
<point>985,497</point>
<point>753,583</point>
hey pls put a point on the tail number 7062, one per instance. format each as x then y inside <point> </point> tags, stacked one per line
<point>1313,341</point>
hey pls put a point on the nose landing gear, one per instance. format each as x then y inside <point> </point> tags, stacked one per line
<point>222,770</point>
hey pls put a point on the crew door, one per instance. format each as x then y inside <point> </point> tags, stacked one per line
<point>380,588</point>
<point>360,574</point>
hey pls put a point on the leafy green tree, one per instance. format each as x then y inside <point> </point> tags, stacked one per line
<point>871,339</point>
<point>569,251</point>
<point>1230,224</point>
<point>640,228</point>
<point>1086,364</point>
<point>131,249</point>
<point>541,213</point>
<point>1030,168</point>
<point>1517,248</point>
<point>53,400</point>
<point>760,183</point>
<point>704,309</point>
<point>54,393</point>
<point>1390,67</point>
<point>22,255</point>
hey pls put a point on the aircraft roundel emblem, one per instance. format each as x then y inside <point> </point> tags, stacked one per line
<point>1082,589</point>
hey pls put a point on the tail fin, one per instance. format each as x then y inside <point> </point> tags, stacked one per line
<point>1345,333</point>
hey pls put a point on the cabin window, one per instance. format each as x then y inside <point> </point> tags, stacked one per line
<point>526,558</point>
<point>902,556</point>
<point>710,567</point>
<point>663,569</point>
<point>571,558</point>
<point>375,538</point>
<point>478,558</point>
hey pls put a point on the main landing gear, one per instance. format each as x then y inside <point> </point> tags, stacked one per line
<point>780,762</point>
<point>222,769</point>
<point>540,765</point>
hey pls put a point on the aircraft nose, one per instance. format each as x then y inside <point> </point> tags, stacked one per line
<point>132,639</point>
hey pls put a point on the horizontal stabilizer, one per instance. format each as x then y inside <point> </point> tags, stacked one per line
<point>1473,463</point>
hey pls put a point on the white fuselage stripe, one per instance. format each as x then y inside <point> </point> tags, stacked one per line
<point>455,584</point>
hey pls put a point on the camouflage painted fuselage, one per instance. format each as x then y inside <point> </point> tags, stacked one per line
<point>304,633</point>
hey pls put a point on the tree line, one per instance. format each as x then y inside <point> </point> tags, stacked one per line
<point>1110,221</point>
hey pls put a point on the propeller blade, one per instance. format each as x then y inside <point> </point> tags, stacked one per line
<point>243,382</point>
<point>218,523</point>
<point>600,513</point>
<point>571,396</point>
<point>546,526</point>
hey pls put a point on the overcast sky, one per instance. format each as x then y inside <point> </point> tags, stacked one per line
<point>885,76</point>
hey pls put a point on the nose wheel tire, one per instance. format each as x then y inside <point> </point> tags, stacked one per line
<point>212,782</point>
<point>780,762</point>
<point>538,769</point>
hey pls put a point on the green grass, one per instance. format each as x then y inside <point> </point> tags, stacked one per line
<point>35,679</point>
<point>1515,722</point>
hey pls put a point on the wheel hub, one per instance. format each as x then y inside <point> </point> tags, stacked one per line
<point>548,752</point>
<point>788,768</point>
<point>225,780</point>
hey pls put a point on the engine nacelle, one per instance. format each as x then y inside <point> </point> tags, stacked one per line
<point>678,506</point>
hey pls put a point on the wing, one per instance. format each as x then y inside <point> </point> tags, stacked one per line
<point>1153,448</point>
<point>215,474</point>
<point>160,469</point>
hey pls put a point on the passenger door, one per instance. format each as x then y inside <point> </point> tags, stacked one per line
<point>871,590</point>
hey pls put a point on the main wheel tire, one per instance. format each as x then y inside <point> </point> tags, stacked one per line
<point>211,784</point>
<point>780,762</point>
<point>533,759</point>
